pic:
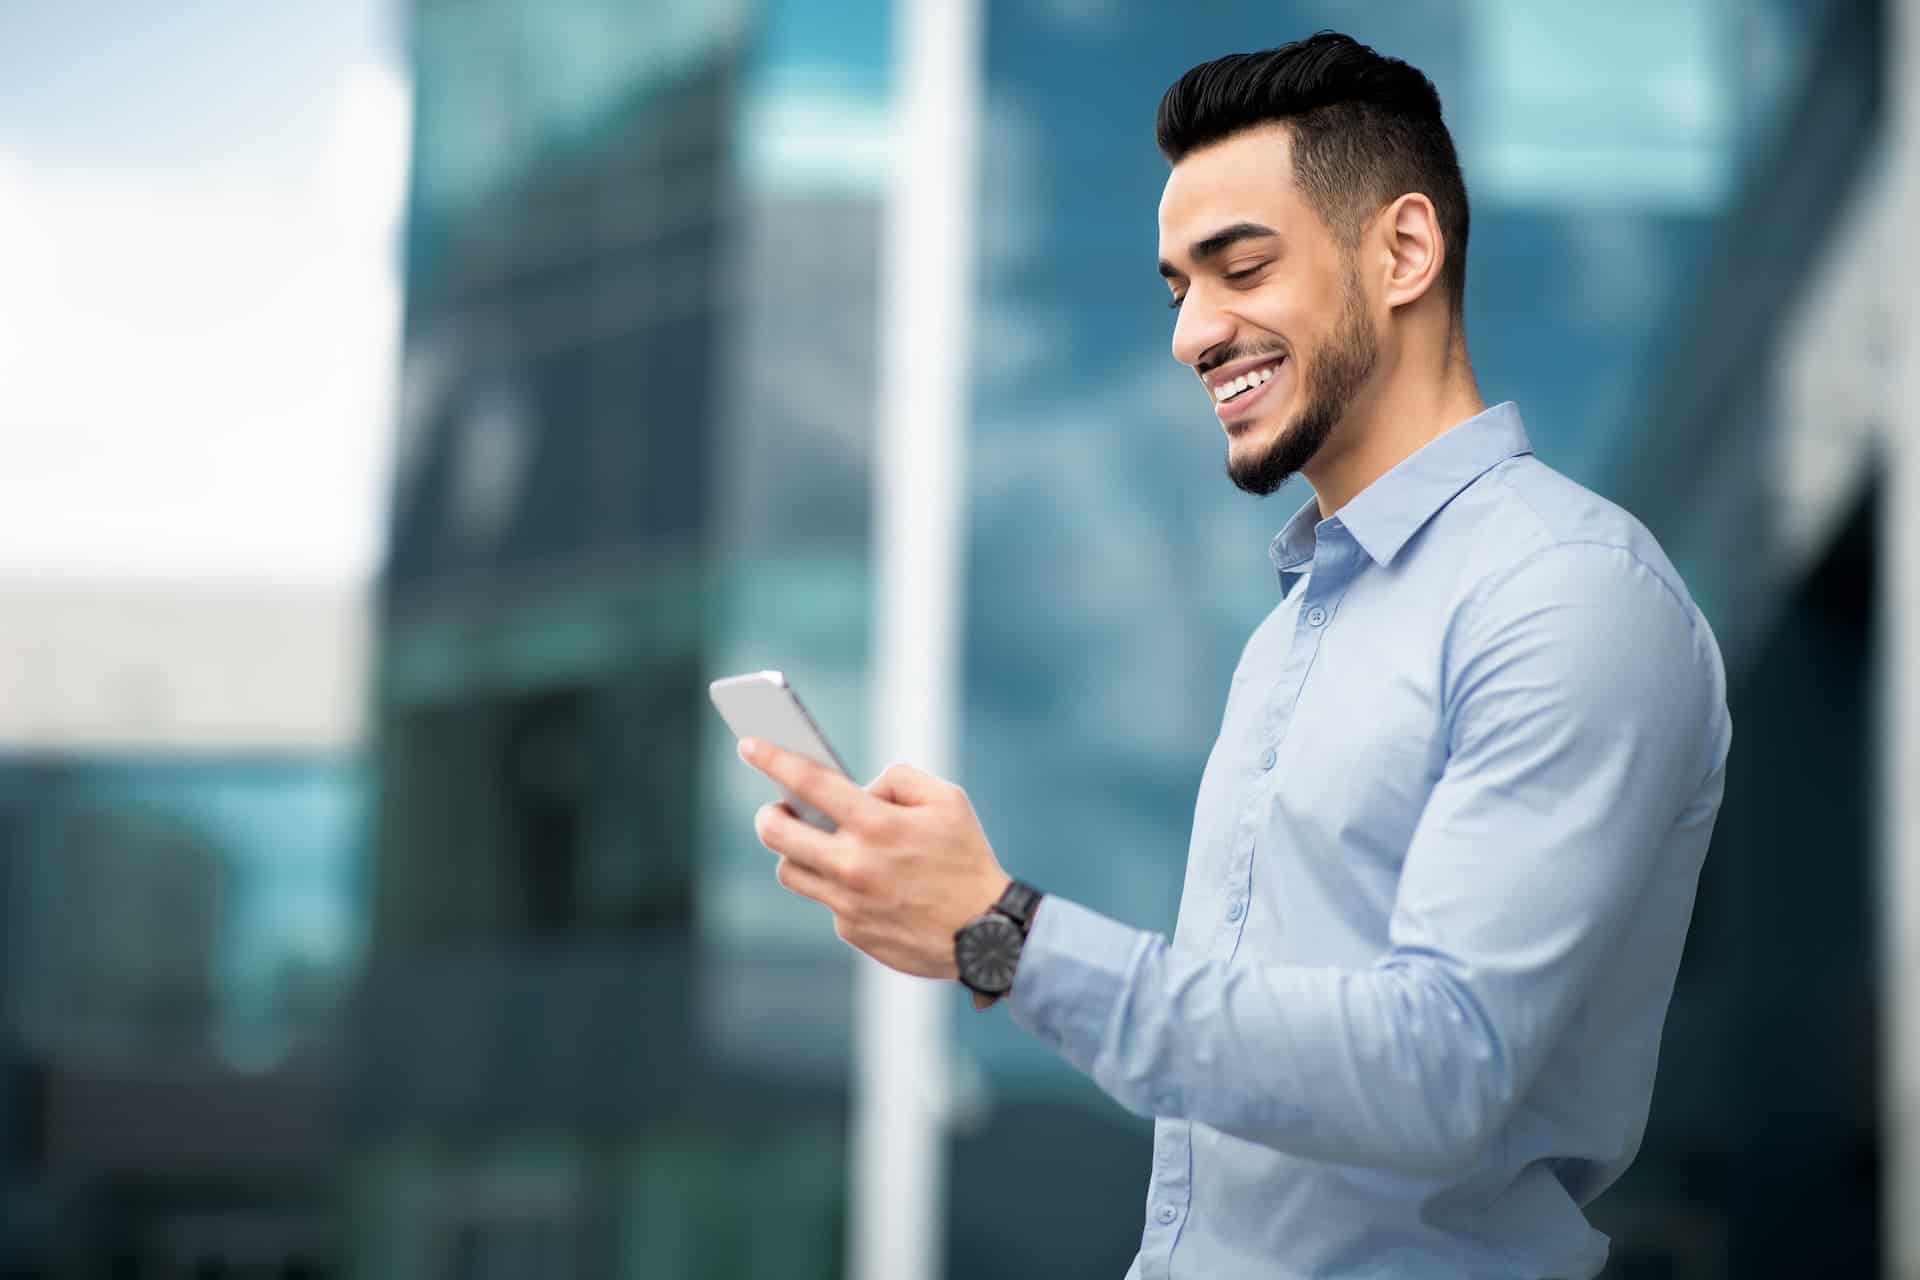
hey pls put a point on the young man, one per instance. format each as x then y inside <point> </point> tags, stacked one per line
<point>1445,848</point>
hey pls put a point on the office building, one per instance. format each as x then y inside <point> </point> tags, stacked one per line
<point>637,431</point>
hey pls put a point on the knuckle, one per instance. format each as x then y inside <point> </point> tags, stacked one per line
<point>883,825</point>
<point>857,875</point>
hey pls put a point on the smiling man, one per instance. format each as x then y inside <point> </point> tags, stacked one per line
<point>1445,848</point>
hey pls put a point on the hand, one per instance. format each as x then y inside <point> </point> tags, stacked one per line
<point>908,866</point>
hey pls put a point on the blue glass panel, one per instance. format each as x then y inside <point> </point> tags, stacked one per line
<point>186,907</point>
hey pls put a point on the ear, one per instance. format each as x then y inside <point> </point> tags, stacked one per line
<point>1414,249</point>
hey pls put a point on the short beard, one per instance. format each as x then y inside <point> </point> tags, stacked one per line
<point>1335,375</point>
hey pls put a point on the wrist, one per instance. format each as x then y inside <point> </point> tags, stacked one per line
<point>987,948</point>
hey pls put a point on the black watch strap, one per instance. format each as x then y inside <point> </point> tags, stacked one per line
<point>1018,904</point>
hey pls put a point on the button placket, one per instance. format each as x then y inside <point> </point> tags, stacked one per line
<point>1325,587</point>
<point>1168,1198</point>
<point>1236,892</point>
<point>1316,603</point>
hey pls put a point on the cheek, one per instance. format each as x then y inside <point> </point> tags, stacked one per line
<point>1302,309</point>
<point>1278,313</point>
<point>1285,324</point>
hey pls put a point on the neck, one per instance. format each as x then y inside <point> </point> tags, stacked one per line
<point>1389,422</point>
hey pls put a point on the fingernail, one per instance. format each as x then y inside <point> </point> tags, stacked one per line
<point>748,749</point>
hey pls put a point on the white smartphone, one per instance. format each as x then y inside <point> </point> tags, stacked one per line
<point>763,705</point>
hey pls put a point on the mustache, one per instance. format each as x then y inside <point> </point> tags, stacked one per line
<point>1227,355</point>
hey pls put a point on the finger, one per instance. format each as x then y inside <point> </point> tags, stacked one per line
<point>902,784</point>
<point>797,878</point>
<point>782,831</point>
<point>828,790</point>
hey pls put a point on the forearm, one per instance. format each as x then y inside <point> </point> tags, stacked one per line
<point>1395,1066</point>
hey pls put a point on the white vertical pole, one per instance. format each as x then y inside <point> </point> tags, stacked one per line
<point>1900,652</point>
<point>901,1072</point>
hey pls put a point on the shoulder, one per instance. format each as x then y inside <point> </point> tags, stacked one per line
<point>1584,591</point>
<point>1535,534</point>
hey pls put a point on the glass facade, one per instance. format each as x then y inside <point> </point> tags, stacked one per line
<point>788,542</point>
<point>206,910</point>
<point>596,1037</point>
<point>183,939</point>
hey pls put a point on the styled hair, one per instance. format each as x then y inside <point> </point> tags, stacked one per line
<point>1366,129</point>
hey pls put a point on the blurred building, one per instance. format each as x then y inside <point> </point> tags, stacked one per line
<point>637,388</point>
<point>181,823</point>
<point>596,1038</point>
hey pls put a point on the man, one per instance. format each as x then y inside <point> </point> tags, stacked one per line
<point>1445,848</point>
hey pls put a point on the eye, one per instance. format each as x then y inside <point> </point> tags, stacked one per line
<point>1244,273</point>
<point>1174,303</point>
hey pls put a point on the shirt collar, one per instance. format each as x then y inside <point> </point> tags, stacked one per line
<point>1388,512</point>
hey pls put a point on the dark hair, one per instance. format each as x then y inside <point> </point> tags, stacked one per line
<point>1366,130</point>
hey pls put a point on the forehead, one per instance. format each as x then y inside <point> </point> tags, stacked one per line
<point>1245,178</point>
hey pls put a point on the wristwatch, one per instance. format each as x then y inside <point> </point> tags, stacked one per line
<point>987,947</point>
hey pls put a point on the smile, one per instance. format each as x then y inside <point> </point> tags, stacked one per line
<point>1246,382</point>
<point>1236,399</point>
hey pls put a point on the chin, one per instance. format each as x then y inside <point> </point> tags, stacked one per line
<point>1258,436</point>
<point>1270,450</point>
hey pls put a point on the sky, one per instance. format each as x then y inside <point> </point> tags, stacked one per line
<point>199,296</point>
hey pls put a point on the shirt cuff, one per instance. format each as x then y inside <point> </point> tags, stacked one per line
<point>1074,969</point>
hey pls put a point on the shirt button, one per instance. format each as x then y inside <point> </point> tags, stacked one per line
<point>1316,617</point>
<point>1166,1213</point>
<point>1266,761</point>
<point>1235,911</point>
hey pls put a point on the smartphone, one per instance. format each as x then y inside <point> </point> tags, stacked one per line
<point>763,705</point>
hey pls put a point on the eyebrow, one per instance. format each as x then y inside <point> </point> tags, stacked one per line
<point>1218,243</point>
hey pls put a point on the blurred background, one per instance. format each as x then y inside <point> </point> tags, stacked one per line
<point>407,408</point>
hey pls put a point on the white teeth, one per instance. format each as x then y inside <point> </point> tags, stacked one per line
<point>1246,381</point>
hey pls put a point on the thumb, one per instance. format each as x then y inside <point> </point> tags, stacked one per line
<point>903,784</point>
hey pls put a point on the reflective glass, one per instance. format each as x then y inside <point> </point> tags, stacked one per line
<point>790,534</point>
<point>632,457</point>
<point>197,911</point>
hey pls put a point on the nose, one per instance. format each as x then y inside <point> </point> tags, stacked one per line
<point>1200,328</point>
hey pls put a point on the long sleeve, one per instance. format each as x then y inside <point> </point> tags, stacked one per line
<point>1583,719</point>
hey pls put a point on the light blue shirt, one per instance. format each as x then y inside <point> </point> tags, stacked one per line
<point>1443,858</point>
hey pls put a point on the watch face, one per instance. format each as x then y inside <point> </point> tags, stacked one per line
<point>986,951</point>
